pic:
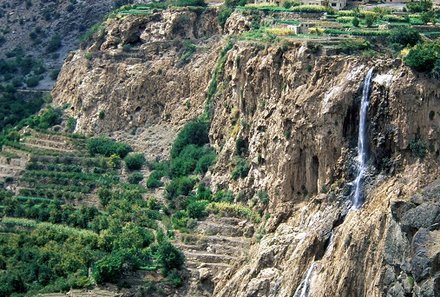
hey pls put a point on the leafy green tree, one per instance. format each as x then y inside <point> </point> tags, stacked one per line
<point>423,56</point>
<point>110,268</point>
<point>134,161</point>
<point>169,257</point>
<point>135,178</point>
<point>355,22</point>
<point>154,180</point>
<point>428,17</point>
<point>54,44</point>
<point>179,186</point>
<point>107,147</point>
<point>419,6</point>
<point>369,20</point>
<point>197,209</point>
<point>404,35</point>
<point>195,132</point>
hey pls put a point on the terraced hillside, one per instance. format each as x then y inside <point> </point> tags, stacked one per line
<point>107,218</point>
<point>216,244</point>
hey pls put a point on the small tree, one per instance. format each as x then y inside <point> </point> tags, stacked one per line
<point>355,22</point>
<point>423,56</point>
<point>134,161</point>
<point>428,17</point>
<point>404,36</point>
<point>169,257</point>
<point>369,20</point>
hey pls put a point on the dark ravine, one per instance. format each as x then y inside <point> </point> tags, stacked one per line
<point>297,111</point>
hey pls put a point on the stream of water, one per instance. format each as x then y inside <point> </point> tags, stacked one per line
<point>362,157</point>
<point>304,288</point>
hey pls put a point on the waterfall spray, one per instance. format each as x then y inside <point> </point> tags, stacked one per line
<point>303,289</point>
<point>358,198</point>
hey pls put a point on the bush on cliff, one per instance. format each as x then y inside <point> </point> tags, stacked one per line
<point>423,56</point>
<point>404,35</point>
<point>107,147</point>
<point>134,161</point>
<point>195,132</point>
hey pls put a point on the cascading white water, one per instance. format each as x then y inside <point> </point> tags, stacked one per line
<point>303,289</point>
<point>358,197</point>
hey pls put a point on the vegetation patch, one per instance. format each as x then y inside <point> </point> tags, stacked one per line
<point>107,147</point>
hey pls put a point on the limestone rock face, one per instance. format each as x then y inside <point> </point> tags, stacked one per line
<point>294,114</point>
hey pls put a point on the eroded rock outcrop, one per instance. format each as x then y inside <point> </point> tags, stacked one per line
<point>295,113</point>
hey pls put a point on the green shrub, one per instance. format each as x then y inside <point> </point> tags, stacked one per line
<point>107,147</point>
<point>423,56</point>
<point>223,15</point>
<point>169,257</point>
<point>224,196</point>
<point>174,279</point>
<point>235,3</point>
<point>205,162</point>
<point>33,81</point>
<point>110,268</point>
<point>154,181</point>
<point>179,186</point>
<point>94,30</point>
<point>104,195</point>
<point>241,147</point>
<point>54,44</point>
<point>180,219</point>
<point>134,161</point>
<point>241,169</point>
<point>428,17</point>
<point>288,4</point>
<point>404,35</point>
<point>186,162</point>
<point>419,6</point>
<point>263,197</point>
<point>418,148</point>
<point>355,22</point>
<point>203,192</point>
<point>71,124</point>
<point>48,118</point>
<point>195,132</point>
<point>135,178</point>
<point>369,20</point>
<point>197,209</point>
<point>353,45</point>
<point>188,50</point>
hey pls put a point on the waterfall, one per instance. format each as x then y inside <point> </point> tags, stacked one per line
<point>331,242</point>
<point>358,197</point>
<point>303,289</point>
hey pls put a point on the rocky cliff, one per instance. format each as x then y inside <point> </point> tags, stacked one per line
<point>294,113</point>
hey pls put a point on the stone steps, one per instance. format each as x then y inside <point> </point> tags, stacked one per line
<point>223,248</point>
<point>47,147</point>
<point>63,144</point>
<point>14,162</point>
<point>213,228</point>
<point>15,151</point>
<point>217,239</point>
<point>83,293</point>
<point>52,137</point>
<point>208,257</point>
<point>10,170</point>
<point>193,265</point>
